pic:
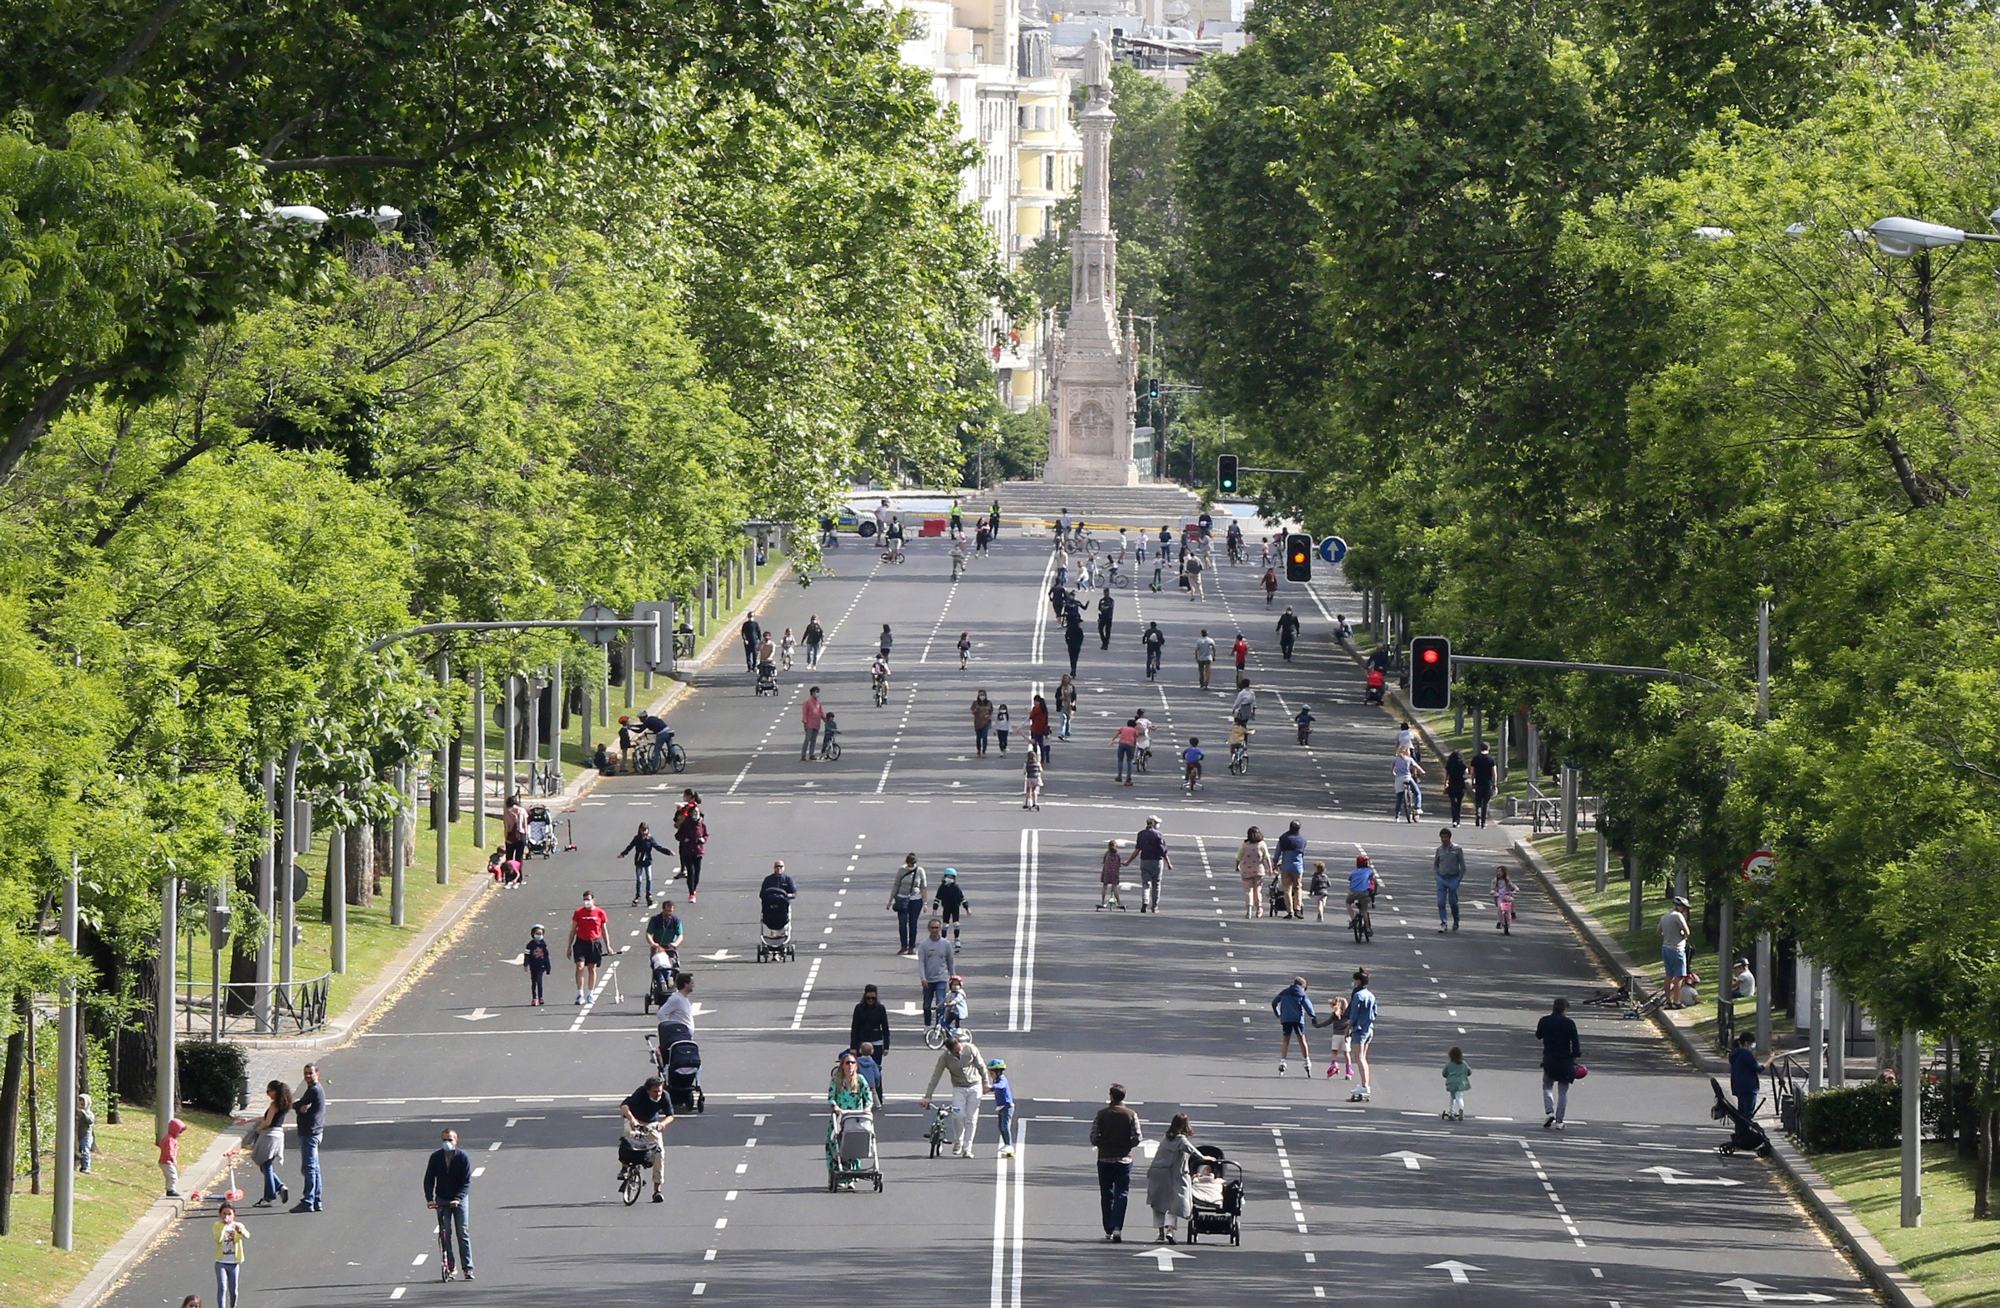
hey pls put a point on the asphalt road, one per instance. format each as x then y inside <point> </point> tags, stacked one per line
<point>1379,1203</point>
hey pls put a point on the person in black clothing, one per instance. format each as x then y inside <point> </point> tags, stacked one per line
<point>1288,632</point>
<point>1379,660</point>
<point>1104,606</point>
<point>950,902</point>
<point>1155,642</point>
<point>1454,784</point>
<point>870,1025</point>
<point>1073,633</point>
<point>448,1189</point>
<point>1484,769</point>
<point>753,636</point>
<point>1560,1050</point>
<point>648,1111</point>
<point>642,847</point>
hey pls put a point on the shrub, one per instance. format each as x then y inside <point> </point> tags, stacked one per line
<point>210,1073</point>
<point>1867,1116</point>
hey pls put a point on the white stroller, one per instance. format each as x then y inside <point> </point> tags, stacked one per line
<point>854,1143</point>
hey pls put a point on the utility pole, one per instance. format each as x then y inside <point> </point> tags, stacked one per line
<point>440,784</point>
<point>1763,937</point>
<point>164,1095</point>
<point>62,1233</point>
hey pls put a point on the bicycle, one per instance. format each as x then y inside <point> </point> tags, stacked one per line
<point>683,643</point>
<point>938,1131</point>
<point>1191,778</point>
<point>1406,801</point>
<point>632,1171</point>
<point>894,554</point>
<point>1361,921</point>
<point>1142,756</point>
<point>1152,664</point>
<point>937,1033</point>
<point>649,760</point>
<point>1239,759</point>
<point>881,691</point>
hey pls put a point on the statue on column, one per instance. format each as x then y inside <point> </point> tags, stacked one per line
<point>1097,65</point>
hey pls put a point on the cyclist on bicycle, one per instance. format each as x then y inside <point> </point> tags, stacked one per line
<point>663,736</point>
<point>956,1008</point>
<point>896,537</point>
<point>1235,539</point>
<point>1362,887</point>
<point>1155,641</point>
<point>647,1111</point>
<point>878,675</point>
<point>1409,796</point>
<point>1191,763</point>
<point>1143,747</point>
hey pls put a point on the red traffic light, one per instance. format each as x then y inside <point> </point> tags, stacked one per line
<point>1430,656</point>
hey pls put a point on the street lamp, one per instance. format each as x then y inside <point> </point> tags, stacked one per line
<point>1903,238</point>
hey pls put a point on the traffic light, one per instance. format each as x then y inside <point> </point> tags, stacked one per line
<point>1298,557</point>
<point>1152,388</point>
<point>1225,474</point>
<point>1430,672</point>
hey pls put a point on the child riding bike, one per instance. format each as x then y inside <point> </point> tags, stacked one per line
<point>1191,764</point>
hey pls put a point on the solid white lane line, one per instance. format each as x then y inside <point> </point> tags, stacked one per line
<point>1020,1209</point>
<point>1034,928</point>
<point>1020,937</point>
<point>998,1298</point>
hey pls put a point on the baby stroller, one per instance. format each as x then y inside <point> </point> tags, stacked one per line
<point>663,965</point>
<point>767,678</point>
<point>541,832</point>
<point>854,1142</point>
<point>680,1067</point>
<point>774,932</point>
<point>1744,1134</point>
<point>1218,1197</point>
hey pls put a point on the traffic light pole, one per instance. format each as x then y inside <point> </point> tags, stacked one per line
<point>1620,669</point>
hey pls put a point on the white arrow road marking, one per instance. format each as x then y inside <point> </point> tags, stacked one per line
<point>1457,1269</point>
<point>1411,1160</point>
<point>720,955</point>
<point>476,1015</point>
<point>1163,1256</point>
<point>1756,1292</point>
<point>1674,1176</point>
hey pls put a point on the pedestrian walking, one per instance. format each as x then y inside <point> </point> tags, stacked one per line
<point>1031,782</point>
<point>1241,652</point>
<point>753,637</point>
<point>962,1064</point>
<point>1745,1074</point>
<point>1454,784</point>
<point>1170,1179</point>
<point>1150,848</point>
<point>1292,870</point>
<point>1127,739</point>
<point>1288,632</point>
<point>1361,1012</point>
<point>812,716</point>
<point>448,1190</point>
<point>1204,657</point>
<point>691,839</point>
<point>1674,934</point>
<point>1560,1051</point>
<point>1107,878</point>
<point>309,1110</point>
<point>1293,1008</point>
<point>170,1155</point>
<point>535,959</point>
<point>964,649</point>
<point>642,847</point>
<point>231,1237</point>
<point>982,722</point>
<point>950,903</point>
<point>514,827</point>
<point>1001,723</point>
<point>1003,1103</point>
<point>1038,727</point>
<point>1253,865</point>
<point>1319,888</point>
<point>1193,566</point>
<point>814,636</point>
<point>587,927</point>
<point>850,1091</point>
<point>1270,586</point>
<point>86,1134</point>
<point>937,959</point>
<point>1484,769</point>
<point>1104,607</point>
<point>906,900</point>
<point>1115,1132</point>
<point>870,1026</point>
<point>267,1142</point>
<point>1448,865</point>
<point>1457,1080</point>
<point>787,648</point>
<point>1073,634</point>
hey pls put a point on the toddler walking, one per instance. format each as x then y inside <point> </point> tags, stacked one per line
<point>1032,780</point>
<point>1107,876</point>
<point>535,958</point>
<point>1457,1080</point>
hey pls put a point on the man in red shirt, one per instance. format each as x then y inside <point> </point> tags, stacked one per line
<point>1241,650</point>
<point>587,927</point>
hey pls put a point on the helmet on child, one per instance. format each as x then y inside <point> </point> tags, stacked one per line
<point>996,1064</point>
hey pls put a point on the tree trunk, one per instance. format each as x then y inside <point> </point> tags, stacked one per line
<point>385,839</point>
<point>335,876</point>
<point>1982,1172</point>
<point>34,1109</point>
<point>360,878</point>
<point>10,1117</point>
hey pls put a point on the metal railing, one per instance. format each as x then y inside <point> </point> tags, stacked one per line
<point>296,1009</point>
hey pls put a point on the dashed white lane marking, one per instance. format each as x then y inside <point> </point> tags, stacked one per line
<point>1569,1223</point>
<point>812,975</point>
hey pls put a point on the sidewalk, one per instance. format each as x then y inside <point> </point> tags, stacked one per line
<point>276,1058</point>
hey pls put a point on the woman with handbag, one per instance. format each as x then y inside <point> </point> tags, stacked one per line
<point>691,839</point>
<point>267,1148</point>
<point>1560,1051</point>
<point>1253,867</point>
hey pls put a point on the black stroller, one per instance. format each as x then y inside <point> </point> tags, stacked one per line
<point>774,931</point>
<point>1744,1134</point>
<point>1218,1197</point>
<point>678,1060</point>
<point>767,678</point>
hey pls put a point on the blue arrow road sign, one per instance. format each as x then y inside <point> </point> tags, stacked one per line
<point>1333,549</point>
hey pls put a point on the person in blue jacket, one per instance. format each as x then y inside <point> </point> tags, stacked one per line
<point>1294,1009</point>
<point>1745,1074</point>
